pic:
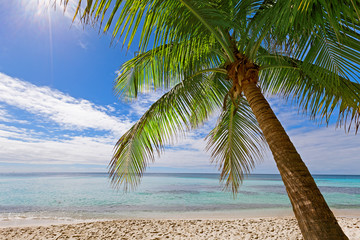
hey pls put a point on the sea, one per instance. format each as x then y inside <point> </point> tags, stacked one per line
<point>32,198</point>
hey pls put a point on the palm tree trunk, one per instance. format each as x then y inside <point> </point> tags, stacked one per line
<point>316,220</point>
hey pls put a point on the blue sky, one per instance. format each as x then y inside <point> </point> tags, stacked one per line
<point>58,111</point>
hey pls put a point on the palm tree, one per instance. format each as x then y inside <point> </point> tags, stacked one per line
<point>226,55</point>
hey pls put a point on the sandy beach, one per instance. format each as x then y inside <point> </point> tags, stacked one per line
<point>252,228</point>
<point>184,206</point>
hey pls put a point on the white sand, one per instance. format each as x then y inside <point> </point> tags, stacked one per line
<point>250,228</point>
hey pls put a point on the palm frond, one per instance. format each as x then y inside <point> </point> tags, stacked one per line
<point>240,13</point>
<point>160,22</point>
<point>320,63</point>
<point>165,66</point>
<point>324,50</point>
<point>298,23</point>
<point>184,107</point>
<point>236,144</point>
<point>316,90</point>
<point>206,14</point>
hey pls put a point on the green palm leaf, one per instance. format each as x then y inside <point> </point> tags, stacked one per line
<point>235,144</point>
<point>320,63</point>
<point>169,21</point>
<point>313,88</point>
<point>165,66</point>
<point>184,107</point>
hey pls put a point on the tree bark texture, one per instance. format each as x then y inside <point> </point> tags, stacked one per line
<point>315,219</point>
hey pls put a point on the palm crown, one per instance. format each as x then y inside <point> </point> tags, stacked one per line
<point>306,50</point>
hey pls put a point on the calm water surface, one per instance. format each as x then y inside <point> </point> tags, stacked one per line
<point>90,195</point>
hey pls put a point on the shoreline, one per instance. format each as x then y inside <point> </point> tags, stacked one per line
<point>46,219</point>
<point>282,228</point>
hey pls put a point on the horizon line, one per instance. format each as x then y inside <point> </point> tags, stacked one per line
<point>83,172</point>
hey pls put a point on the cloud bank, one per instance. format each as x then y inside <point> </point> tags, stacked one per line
<point>60,129</point>
<point>66,111</point>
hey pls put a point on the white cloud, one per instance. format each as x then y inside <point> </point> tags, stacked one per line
<point>82,45</point>
<point>38,144</point>
<point>140,105</point>
<point>328,150</point>
<point>32,150</point>
<point>324,150</point>
<point>4,115</point>
<point>68,112</point>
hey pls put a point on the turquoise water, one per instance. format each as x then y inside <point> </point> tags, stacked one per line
<point>91,195</point>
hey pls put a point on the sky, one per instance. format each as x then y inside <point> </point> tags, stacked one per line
<point>58,111</point>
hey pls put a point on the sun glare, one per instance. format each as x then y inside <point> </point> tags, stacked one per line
<point>47,16</point>
<point>42,9</point>
<point>37,8</point>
